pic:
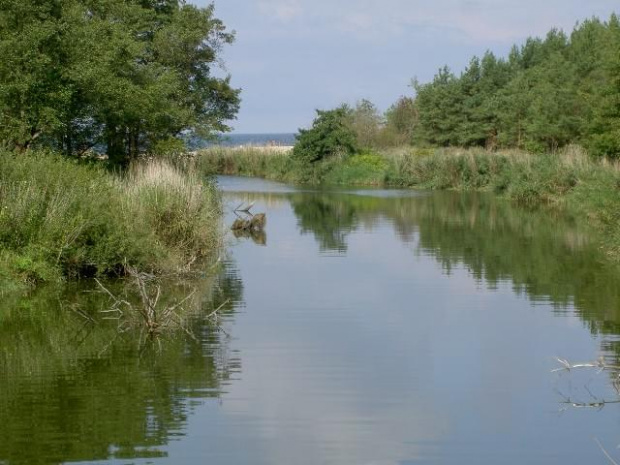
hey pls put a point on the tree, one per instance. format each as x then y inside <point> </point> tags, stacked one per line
<point>123,74</point>
<point>330,135</point>
<point>547,94</point>
<point>439,105</point>
<point>401,120</point>
<point>366,123</point>
<point>33,92</point>
<point>604,129</point>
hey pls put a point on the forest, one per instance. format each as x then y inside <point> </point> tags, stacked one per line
<point>547,93</point>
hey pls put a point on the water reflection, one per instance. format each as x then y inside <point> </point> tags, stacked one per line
<point>546,256</point>
<point>429,339</point>
<point>543,254</point>
<point>74,389</point>
<point>259,237</point>
<point>327,218</point>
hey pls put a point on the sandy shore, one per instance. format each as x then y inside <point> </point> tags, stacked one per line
<point>269,148</point>
<point>251,148</point>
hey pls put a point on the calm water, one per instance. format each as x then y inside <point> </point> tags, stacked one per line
<point>363,327</point>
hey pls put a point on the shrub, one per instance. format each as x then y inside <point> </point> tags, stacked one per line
<point>365,169</point>
<point>63,217</point>
<point>330,136</point>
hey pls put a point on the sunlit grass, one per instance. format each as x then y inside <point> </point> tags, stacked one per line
<point>63,218</point>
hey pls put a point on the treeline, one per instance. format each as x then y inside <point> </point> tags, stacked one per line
<point>548,93</point>
<point>123,76</point>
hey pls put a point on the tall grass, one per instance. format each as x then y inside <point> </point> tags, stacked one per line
<point>177,206</point>
<point>263,162</point>
<point>526,178</point>
<point>64,218</point>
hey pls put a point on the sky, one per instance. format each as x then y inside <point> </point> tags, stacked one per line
<point>291,57</point>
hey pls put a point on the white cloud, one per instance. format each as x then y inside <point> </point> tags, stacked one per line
<point>476,21</point>
<point>281,10</point>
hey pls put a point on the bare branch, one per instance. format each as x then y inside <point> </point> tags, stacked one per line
<point>611,460</point>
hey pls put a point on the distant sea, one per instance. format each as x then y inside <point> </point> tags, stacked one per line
<point>235,140</point>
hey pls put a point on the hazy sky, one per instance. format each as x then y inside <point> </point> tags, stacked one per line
<point>293,56</point>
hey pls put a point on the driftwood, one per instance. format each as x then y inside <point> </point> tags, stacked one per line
<point>250,226</point>
<point>254,223</point>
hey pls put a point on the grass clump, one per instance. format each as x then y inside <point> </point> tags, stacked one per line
<point>367,169</point>
<point>263,162</point>
<point>62,218</point>
<point>176,208</point>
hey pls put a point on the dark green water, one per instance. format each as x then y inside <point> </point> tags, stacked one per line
<point>364,327</point>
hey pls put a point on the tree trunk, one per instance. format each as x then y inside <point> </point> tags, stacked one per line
<point>116,146</point>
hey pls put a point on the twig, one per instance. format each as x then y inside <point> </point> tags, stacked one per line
<point>600,363</point>
<point>246,209</point>
<point>174,307</point>
<point>217,309</point>
<point>83,314</point>
<point>105,289</point>
<point>611,460</point>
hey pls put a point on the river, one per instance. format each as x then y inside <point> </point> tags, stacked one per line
<point>364,326</point>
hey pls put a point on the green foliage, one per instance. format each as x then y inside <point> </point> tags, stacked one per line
<point>331,135</point>
<point>172,148</point>
<point>366,124</point>
<point>82,368</point>
<point>366,169</point>
<point>401,122</point>
<point>122,74</point>
<point>548,94</point>
<point>60,217</point>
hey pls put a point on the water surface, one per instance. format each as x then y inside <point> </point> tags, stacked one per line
<point>363,327</point>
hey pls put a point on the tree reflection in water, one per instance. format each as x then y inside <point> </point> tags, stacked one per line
<point>74,389</point>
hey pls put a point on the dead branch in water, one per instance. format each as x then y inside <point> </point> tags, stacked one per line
<point>600,364</point>
<point>245,209</point>
<point>150,316</point>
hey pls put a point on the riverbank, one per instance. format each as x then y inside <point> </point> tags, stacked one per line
<point>62,219</point>
<point>570,180</point>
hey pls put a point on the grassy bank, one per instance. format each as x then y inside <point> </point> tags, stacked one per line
<point>247,161</point>
<point>60,218</point>
<point>568,180</point>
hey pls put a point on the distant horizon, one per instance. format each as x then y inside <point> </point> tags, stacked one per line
<point>257,133</point>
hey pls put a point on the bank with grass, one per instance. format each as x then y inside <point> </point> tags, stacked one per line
<point>568,180</point>
<point>62,218</point>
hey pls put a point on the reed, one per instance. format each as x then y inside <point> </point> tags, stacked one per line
<point>62,218</point>
<point>263,162</point>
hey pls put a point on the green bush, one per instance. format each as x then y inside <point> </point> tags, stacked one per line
<point>62,217</point>
<point>365,169</point>
<point>330,136</point>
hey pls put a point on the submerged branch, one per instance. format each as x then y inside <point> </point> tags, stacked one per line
<point>600,364</point>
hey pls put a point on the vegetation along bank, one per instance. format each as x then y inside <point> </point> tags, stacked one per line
<point>61,218</point>
<point>541,126</point>
<point>94,98</point>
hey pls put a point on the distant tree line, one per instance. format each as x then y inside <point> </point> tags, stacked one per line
<point>125,75</point>
<point>548,93</point>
